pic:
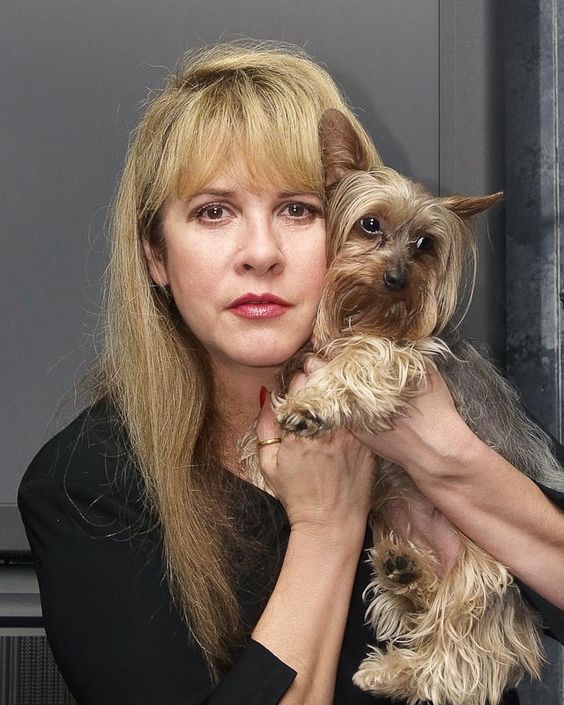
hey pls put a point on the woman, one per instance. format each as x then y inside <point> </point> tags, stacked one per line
<point>165,576</point>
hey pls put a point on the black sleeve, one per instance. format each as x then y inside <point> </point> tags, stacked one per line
<point>108,613</point>
<point>553,616</point>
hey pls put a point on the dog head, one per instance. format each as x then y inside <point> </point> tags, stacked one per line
<point>397,253</point>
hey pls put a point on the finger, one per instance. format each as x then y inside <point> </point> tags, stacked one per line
<point>267,427</point>
<point>297,382</point>
<point>312,364</point>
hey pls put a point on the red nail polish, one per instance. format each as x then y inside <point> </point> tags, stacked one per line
<point>262,396</point>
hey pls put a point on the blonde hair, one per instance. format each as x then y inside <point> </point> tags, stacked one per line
<point>262,102</point>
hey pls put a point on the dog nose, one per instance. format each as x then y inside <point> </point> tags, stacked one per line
<point>395,278</point>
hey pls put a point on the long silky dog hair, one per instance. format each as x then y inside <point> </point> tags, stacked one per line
<point>451,629</point>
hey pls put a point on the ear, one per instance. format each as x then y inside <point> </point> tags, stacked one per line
<point>155,264</point>
<point>467,206</point>
<point>341,149</point>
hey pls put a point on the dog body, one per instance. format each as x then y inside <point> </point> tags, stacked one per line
<point>451,624</point>
<point>454,625</point>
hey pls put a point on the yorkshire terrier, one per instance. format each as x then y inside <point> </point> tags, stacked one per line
<point>452,628</point>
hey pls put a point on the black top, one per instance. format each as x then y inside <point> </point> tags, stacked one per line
<point>108,613</point>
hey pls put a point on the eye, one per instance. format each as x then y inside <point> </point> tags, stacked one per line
<point>212,211</point>
<point>300,211</point>
<point>423,243</point>
<point>370,225</point>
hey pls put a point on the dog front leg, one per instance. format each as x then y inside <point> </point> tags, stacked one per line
<point>362,387</point>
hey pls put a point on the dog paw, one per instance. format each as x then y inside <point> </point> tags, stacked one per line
<point>400,568</point>
<point>365,681</point>
<point>370,676</point>
<point>301,422</point>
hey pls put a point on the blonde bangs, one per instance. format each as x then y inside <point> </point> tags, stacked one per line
<point>257,137</point>
<point>249,110</point>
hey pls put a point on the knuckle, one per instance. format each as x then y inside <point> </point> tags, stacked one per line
<point>266,428</point>
<point>297,383</point>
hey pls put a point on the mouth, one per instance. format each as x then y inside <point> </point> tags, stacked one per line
<point>258,299</point>
<point>259,306</point>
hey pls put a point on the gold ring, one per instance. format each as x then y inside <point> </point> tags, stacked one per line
<point>269,441</point>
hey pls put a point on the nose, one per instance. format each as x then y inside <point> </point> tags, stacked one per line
<point>260,246</point>
<point>395,278</point>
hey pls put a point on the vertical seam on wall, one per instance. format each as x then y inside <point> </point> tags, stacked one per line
<point>556,128</point>
<point>557,249</point>
<point>439,92</point>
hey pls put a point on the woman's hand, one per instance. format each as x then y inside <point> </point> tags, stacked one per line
<point>325,486</point>
<point>427,420</point>
<point>431,425</point>
<point>324,483</point>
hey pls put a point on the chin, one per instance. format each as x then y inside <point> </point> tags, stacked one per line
<point>264,354</point>
<point>272,358</point>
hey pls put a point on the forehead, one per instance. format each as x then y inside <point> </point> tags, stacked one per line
<point>239,175</point>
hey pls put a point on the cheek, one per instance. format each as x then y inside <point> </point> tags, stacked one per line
<point>314,269</point>
<point>310,250</point>
<point>316,281</point>
<point>193,274</point>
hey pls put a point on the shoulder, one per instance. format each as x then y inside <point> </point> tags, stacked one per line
<point>93,436</point>
<point>85,473</point>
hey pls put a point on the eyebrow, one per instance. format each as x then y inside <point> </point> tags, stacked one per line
<point>214,192</point>
<point>231,194</point>
<point>290,194</point>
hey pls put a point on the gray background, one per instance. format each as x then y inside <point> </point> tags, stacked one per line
<point>445,87</point>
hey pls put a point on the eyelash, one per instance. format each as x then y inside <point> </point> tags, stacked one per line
<point>311,212</point>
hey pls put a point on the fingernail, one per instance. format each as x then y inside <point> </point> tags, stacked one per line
<point>262,396</point>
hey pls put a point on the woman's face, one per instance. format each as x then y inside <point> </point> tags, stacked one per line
<point>245,268</point>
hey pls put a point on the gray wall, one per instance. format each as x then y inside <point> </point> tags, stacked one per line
<point>535,188</point>
<point>534,137</point>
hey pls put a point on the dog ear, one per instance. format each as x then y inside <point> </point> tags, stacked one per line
<point>467,206</point>
<point>341,149</point>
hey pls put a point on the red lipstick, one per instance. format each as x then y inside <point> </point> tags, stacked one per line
<point>253,305</point>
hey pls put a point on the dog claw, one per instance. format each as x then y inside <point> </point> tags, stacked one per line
<point>400,568</point>
<point>303,423</point>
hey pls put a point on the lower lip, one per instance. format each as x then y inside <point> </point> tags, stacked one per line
<point>266,310</point>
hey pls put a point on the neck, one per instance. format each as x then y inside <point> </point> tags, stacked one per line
<point>237,405</point>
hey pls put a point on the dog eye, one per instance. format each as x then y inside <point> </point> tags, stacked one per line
<point>370,225</point>
<point>423,244</point>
